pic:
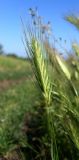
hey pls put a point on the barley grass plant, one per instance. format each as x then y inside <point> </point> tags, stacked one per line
<point>37,53</point>
<point>59,92</point>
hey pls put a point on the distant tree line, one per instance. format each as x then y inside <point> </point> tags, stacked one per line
<point>1,49</point>
<point>2,52</point>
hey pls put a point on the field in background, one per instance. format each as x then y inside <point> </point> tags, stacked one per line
<point>18,94</point>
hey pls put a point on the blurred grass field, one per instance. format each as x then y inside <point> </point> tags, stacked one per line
<point>19,96</point>
<point>13,68</point>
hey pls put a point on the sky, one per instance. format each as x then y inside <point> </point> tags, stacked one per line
<point>50,10</point>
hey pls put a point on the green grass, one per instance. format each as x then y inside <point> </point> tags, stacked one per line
<point>15,101</point>
<point>14,68</point>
